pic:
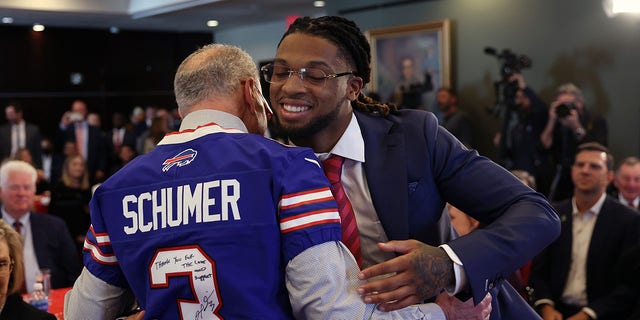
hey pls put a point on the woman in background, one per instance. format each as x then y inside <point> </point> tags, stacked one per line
<point>70,198</point>
<point>12,306</point>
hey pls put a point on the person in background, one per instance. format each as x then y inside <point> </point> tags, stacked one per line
<point>51,161</point>
<point>575,277</point>
<point>399,169</point>
<point>12,306</point>
<point>569,124</point>
<point>17,134</point>
<point>454,120</point>
<point>93,119</point>
<point>47,243</point>
<point>626,183</point>
<point>266,212</point>
<point>519,141</point>
<point>89,139</point>
<point>42,185</point>
<point>138,121</point>
<point>151,137</point>
<point>70,198</point>
<point>120,135</point>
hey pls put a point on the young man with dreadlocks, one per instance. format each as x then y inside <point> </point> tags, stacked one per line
<point>399,168</point>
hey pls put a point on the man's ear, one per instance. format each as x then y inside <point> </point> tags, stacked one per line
<point>248,90</point>
<point>355,86</point>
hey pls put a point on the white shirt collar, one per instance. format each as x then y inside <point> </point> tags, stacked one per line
<point>202,117</point>
<point>9,219</point>
<point>596,207</point>
<point>351,144</point>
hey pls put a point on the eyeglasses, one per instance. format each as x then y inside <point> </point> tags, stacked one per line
<point>6,267</point>
<point>315,77</point>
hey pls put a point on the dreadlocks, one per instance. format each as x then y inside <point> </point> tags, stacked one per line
<point>353,45</point>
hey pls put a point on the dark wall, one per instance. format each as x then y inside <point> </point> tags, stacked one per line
<point>119,71</point>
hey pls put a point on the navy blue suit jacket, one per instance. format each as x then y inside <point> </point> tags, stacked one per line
<point>414,166</point>
<point>614,235</point>
<point>55,249</point>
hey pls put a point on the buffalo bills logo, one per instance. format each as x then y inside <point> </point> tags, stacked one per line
<point>181,159</point>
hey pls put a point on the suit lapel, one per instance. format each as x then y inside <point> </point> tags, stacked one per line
<point>38,237</point>
<point>386,173</point>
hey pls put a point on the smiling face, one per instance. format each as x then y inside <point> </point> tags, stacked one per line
<point>627,181</point>
<point>313,115</point>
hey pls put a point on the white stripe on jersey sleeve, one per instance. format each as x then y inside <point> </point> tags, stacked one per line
<point>98,255</point>
<point>293,200</point>
<point>308,219</point>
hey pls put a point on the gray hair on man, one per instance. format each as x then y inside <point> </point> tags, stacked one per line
<point>213,70</point>
<point>570,88</point>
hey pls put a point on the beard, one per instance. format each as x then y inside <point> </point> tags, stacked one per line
<point>305,131</point>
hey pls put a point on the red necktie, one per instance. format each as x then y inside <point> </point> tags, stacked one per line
<point>350,236</point>
<point>18,227</point>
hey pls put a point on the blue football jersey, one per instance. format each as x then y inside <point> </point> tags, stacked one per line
<point>202,227</point>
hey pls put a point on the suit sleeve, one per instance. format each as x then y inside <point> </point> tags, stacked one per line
<point>519,222</point>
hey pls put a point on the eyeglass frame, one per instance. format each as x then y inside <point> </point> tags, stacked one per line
<point>6,264</point>
<point>301,71</point>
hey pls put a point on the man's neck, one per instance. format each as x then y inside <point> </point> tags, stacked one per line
<point>586,200</point>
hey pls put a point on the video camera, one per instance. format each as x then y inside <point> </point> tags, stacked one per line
<point>511,63</point>
<point>505,89</point>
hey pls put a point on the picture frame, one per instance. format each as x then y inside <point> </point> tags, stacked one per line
<point>423,48</point>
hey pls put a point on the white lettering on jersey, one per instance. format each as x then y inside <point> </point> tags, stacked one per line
<point>153,210</point>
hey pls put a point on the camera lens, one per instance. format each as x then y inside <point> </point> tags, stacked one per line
<point>564,109</point>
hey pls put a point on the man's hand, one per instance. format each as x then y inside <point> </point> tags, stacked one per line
<point>454,309</point>
<point>420,273</point>
<point>550,313</point>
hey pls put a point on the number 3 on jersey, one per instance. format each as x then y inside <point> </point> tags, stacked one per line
<point>191,262</point>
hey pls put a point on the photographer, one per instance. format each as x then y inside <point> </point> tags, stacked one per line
<point>569,125</point>
<point>519,142</point>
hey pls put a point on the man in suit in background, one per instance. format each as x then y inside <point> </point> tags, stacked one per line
<point>47,243</point>
<point>399,169</point>
<point>575,277</point>
<point>88,139</point>
<point>120,135</point>
<point>17,134</point>
<point>626,184</point>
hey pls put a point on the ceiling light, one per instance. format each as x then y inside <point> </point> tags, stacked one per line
<point>614,7</point>
<point>318,4</point>
<point>38,27</point>
<point>212,23</point>
<point>7,20</point>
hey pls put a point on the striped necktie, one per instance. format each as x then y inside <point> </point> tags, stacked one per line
<point>350,236</point>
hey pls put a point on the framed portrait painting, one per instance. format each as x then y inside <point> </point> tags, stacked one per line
<point>409,63</point>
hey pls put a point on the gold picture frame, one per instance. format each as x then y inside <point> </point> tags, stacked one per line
<point>423,47</point>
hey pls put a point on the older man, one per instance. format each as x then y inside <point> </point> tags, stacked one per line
<point>627,182</point>
<point>47,241</point>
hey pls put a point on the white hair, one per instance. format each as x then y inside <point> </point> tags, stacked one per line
<point>16,166</point>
